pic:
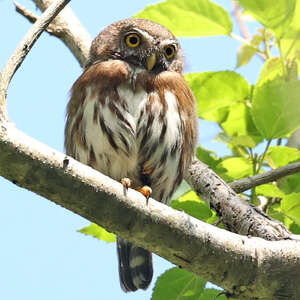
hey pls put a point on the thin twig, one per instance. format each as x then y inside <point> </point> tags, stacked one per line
<point>237,14</point>
<point>23,48</point>
<point>244,31</point>
<point>240,39</point>
<point>66,27</point>
<point>242,185</point>
<point>32,17</point>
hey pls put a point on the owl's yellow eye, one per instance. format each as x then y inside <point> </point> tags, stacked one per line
<point>169,51</point>
<point>132,40</point>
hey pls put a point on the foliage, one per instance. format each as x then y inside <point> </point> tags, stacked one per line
<point>98,232</point>
<point>251,117</point>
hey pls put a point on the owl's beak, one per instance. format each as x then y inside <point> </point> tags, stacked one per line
<point>151,61</point>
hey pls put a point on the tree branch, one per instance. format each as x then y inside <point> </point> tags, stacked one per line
<point>66,27</point>
<point>237,14</point>
<point>237,215</point>
<point>23,48</point>
<point>171,234</point>
<point>32,17</point>
<point>237,263</point>
<point>243,29</point>
<point>245,184</point>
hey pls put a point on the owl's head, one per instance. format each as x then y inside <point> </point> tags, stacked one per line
<point>141,43</point>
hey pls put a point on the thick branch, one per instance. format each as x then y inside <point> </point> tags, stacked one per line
<point>245,184</point>
<point>174,235</point>
<point>23,48</point>
<point>66,27</point>
<point>239,264</point>
<point>237,215</point>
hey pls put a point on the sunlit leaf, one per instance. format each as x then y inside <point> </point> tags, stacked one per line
<point>243,140</point>
<point>237,167</point>
<point>275,15</point>
<point>189,18</point>
<point>192,205</point>
<point>178,284</point>
<point>207,156</point>
<point>290,43</point>
<point>98,232</point>
<point>272,68</point>
<point>231,88</point>
<point>290,184</point>
<point>290,205</point>
<point>279,156</point>
<point>246,52</point>
<point>276,108</point>
<point>239,122</point>
<point>269,190</point>
<point>195,209</point>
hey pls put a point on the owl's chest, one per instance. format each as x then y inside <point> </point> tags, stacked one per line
<point>128,130</point>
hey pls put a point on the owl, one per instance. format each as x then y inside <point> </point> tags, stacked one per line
<point>132,115</point>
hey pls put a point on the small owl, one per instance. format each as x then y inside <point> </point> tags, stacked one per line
<point>132,115</point>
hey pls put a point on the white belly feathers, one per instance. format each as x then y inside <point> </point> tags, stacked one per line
<point>131,134</point>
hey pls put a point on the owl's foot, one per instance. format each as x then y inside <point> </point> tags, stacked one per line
<point>146,191</point>
<point>126,182</point>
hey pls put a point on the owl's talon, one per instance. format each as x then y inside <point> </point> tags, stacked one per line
<point>146,191</point>
<point>126,182</point>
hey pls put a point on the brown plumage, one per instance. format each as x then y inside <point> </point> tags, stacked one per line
<point>131,114</point>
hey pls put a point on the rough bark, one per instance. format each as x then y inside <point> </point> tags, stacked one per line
<point>250,268</point>
<point>237,215</point>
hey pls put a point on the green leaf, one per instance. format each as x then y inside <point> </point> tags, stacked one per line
<point>295,228</point>
<point>275,15</point>
<point>269,190</point>
<point>189,18</point>
<point>290,43</point>
<point>211,99</point>
<point>192,205</point>
<point>98,232</point>
<point>197,210</point>
<point>178,284</point>
<point>290,205</point>
<point>246,52</point>
<point>244,140</point>
<point>279,156</point>
<point>239,123</point>
<point>274,210</point>
<point>237,167</point>
<point>213,294</point>
<point>290,184</point>
<point>272,68</point>
<point>276,108</point>
<point>207,156</point>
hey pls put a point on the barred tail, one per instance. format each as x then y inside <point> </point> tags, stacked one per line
<point>135,266</point>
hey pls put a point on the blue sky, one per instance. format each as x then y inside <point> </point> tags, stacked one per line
<point>42,255</point>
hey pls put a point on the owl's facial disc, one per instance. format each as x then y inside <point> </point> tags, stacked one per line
<point>141,49</point>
